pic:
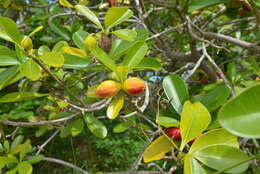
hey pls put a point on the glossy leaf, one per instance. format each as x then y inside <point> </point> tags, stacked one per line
<point>241,115</point>
<point>149,63</point>
<point>103,57</point>
<point>35,159</point>
<point>117,15</point>
<point>115,106</point>
<point>76,127</point>
<point>19,96</point>
<point>216,97</point>
<point>95,126</point>
<point>157,149</point>
<point>9,30</point>
<point>24,167</point>
<point>220,157</point>
<point>89,14</point>
<point>214,137</point>
<point>79,38</point>
<point>192,166</point>
<point>74,62</point>
<point>31,70</point>
<point>126,34</point>
<point>135,55</point>
<point>54,59</point>
<point>176,91</point>
<point>8,57</point>
<point>195,118</point>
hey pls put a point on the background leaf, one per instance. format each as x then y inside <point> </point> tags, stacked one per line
<point>19,96</point>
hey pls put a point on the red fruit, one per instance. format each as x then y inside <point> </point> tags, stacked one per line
<point>108,89</point>
<point>194,139</point>
<point>133,86</point>
<point>173,132</point>
<point>62,110</point>
<point>112,2</point>
<point>204,81</point>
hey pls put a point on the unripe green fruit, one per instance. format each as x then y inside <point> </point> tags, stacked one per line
<point>26,43</point>
<point>108,89</point>
<point>134,86</point>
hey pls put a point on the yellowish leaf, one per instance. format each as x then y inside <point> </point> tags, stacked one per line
<point>74,51</point>
<point>65,3</point>
<point>157,149</point>
<point>36,30</point>
<point>115,106</point>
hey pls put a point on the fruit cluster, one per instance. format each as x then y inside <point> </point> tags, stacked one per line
<point>109,88</point>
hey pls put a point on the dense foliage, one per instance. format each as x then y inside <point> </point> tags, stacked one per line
<point>129,86</point>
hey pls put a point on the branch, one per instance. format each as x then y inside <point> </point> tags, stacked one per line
<point>229,39</point>
<point>40,123</point>
<point>64,163</point>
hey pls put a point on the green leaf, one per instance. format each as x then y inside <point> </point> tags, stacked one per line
<point>95,126</point>
<point>231,71</point>
<point>195,118</point>
<point>35,159</point>
<point>121,47</point>
<point>157,149</point>
<point>79,38</point>
<point>31,70</point>
<point>214,137</point>
<point>216,97</point>
<point>176,91</point>
<point>58,47</point>
<point>60,30</point>
<point>241,115</point>
<point>9,30</point>
<point>89,14</point>
<point>76,127</point>
<point>149,63</point>
<point>103,57</point>
<point>43,49</point>
<point>167,121</point>
<point>199,4</point>
<point>115,106</point>
<point>121,127</point>
<point>8,57</point>
<point>192,166</point>
<point>135,55</point>
<point>220,157</point>
<point>17,141</point>
<point>9,75</point>
<point>19,96</point>
<point>12,171</point>
<point>117,15</point>
<point>65,3</point>
<point>125,34</point>
<point>54,59</point>
<point>25,148</point>
<point>7,160</point>
<point>24,167</point>
<point>74,62</point>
